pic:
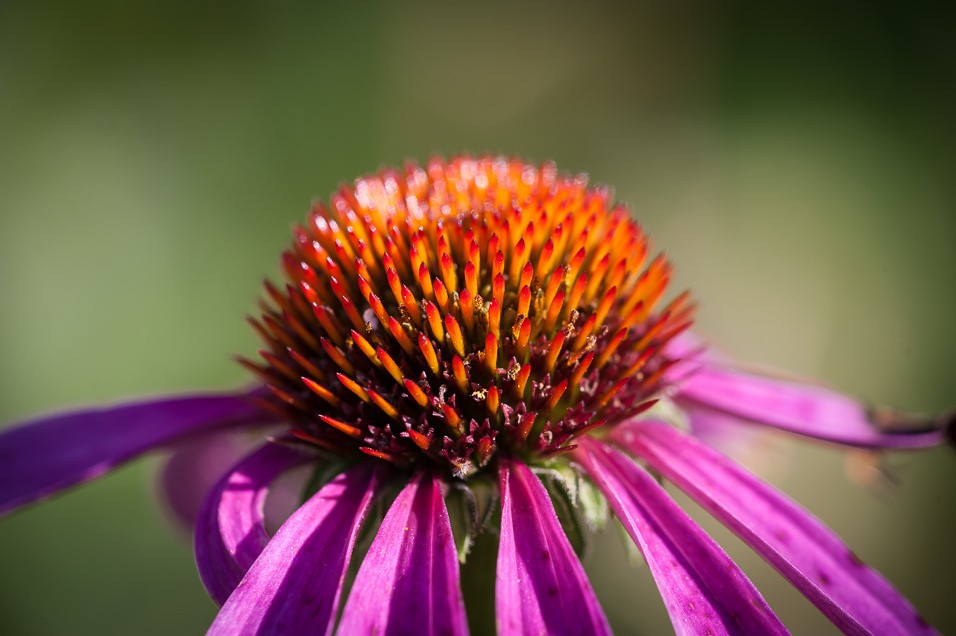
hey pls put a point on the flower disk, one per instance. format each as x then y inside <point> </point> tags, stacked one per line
<point>468,309</point>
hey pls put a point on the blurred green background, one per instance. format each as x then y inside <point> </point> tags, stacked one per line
<point>796,163</point>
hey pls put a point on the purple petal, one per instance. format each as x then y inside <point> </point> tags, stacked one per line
<point>42,457</point>
<point>194,469</point>
<point>685,345</point>
<point>408,583</point>
<point>541,587</point>
<point>729,434</point>
<point>295,584</point>
<point>804,409</point>
<point>856,598</point>
<point>688,353</point>
<point>230,528</point>
<point>704,591</point>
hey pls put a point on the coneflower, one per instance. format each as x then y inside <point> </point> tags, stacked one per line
<point>499,335</point>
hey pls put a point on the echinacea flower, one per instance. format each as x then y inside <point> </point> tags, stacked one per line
<point>493,334</point>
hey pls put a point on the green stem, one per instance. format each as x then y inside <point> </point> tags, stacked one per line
<point>478,584</point>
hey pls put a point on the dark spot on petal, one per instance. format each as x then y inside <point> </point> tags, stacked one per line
<point>949,423</point>
<point>824,578</point>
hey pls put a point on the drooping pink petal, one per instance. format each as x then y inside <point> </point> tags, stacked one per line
<point>687,344</point>
<point>46,455</point>
<point>689,352</point>
<point>729,434</point>
<point>703,590</point>
<point>295,584</point>
<point>799,408</point>
<point>541,587</point>
<point>408,583</point>
<point>195,467</point>
<point>230,528</point>
<point>856,598</point>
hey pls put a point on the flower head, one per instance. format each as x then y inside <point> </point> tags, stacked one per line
<point>494,333</point>
<point>448,315</point>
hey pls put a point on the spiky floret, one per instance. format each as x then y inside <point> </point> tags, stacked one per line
<point>470,308</point>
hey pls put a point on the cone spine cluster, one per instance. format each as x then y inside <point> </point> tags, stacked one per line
<point>473,307</point>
